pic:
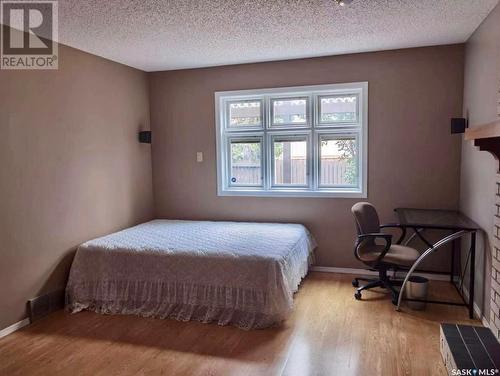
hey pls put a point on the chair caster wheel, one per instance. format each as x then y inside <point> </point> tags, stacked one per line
<point>355,283</point>
<point>357,295</point>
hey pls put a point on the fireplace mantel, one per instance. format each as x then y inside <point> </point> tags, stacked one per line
<point>486,137</point>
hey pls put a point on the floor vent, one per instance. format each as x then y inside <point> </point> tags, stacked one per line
<point>43,305</point>
<point>469,350</point>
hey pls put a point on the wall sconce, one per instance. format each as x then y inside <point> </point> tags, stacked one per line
<point>145,137</point>
<point>458,125</point>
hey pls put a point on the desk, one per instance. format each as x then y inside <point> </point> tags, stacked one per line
<point>420,220</point>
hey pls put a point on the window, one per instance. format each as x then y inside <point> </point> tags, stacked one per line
<point>338,165</point>
<point>246,162</point>
<point>338,109</point>
<point>290,161</point>
<point>245,114</point>
<point>302,141</point>
<point>291,111</point>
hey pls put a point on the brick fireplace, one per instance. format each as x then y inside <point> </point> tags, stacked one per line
<point>495,267</point>
<point>487,138</point>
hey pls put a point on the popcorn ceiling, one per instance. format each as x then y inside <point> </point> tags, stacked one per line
<point>157,35</point>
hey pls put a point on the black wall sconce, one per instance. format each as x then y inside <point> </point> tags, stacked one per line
<point>458,125</point>
<point>145,137</point>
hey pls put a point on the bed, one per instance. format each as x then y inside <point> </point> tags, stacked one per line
<point>238,273</point>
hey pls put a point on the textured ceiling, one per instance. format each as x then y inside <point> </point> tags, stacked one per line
<point>167,34</point>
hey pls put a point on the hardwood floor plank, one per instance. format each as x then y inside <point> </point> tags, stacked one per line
<point>328,333</point>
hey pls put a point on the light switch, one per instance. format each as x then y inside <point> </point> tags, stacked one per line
<point>199,156</point>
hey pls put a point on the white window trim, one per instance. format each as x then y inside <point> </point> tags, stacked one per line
<point>290,136</point>
<point>224,189</point>
<point>250,138</point>
<point>230,128</point>
<point>306,125</point>
<point>318,159</point>
<point>323,124</point>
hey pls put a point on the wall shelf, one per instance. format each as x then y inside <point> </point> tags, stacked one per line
<point>490,130</point>
<point>486,137</point>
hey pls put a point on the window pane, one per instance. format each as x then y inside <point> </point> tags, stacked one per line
<point>335,109</point>
<point>338,161</point>
<point>245,113</point>
<point>246,163</point>
<point>289,111</point>
<point>290,162</point>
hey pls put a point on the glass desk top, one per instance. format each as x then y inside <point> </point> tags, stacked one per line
<point>435,218</point>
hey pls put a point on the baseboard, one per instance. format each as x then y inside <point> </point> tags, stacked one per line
<point>38,307</point>
<point>477,311</point>
<point>334,269</point>
<point>11,329</point>
<point>485,323</point>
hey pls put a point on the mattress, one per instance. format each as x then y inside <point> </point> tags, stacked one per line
<point>238,273</point>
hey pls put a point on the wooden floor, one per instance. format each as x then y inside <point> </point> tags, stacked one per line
<point>329,333</point>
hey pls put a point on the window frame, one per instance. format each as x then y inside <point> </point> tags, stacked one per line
<point>298,126</point>
<point>331,136</point>
<point>313,129</point>
<point>290,136</point>
<point>248,138</point>
<point>324,124</point>
<point>233,128</point>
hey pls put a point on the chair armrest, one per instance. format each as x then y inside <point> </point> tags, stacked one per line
<point>386,237</point>
<point>399,226</point>
<point>375,235</point>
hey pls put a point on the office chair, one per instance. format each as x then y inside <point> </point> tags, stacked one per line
<point>379,257</point>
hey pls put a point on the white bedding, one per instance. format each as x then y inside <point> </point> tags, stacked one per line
<point>236,273</point>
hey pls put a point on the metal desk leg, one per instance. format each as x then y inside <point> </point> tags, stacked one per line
<point>472,271</point>
<point>452,266</point>
<point>413,236</point>
<point>430,250</point>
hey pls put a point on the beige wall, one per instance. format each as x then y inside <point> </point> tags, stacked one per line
<point>413,159</point>
<point>71,168</point>
<point>478,178</point>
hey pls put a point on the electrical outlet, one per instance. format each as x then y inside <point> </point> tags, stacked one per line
<point>199,157</point>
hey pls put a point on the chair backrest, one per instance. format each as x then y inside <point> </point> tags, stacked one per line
<point>366,217</point>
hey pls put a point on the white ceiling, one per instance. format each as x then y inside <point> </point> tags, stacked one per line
<point>157,35</point>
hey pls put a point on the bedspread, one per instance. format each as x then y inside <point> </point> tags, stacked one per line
<point>236,273</point>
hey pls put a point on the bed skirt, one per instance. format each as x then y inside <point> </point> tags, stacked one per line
<point>182,302</point>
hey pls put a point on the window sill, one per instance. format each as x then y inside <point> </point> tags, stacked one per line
<point>293,193</point>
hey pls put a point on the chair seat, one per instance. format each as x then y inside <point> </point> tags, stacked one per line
<point>398,254</point>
